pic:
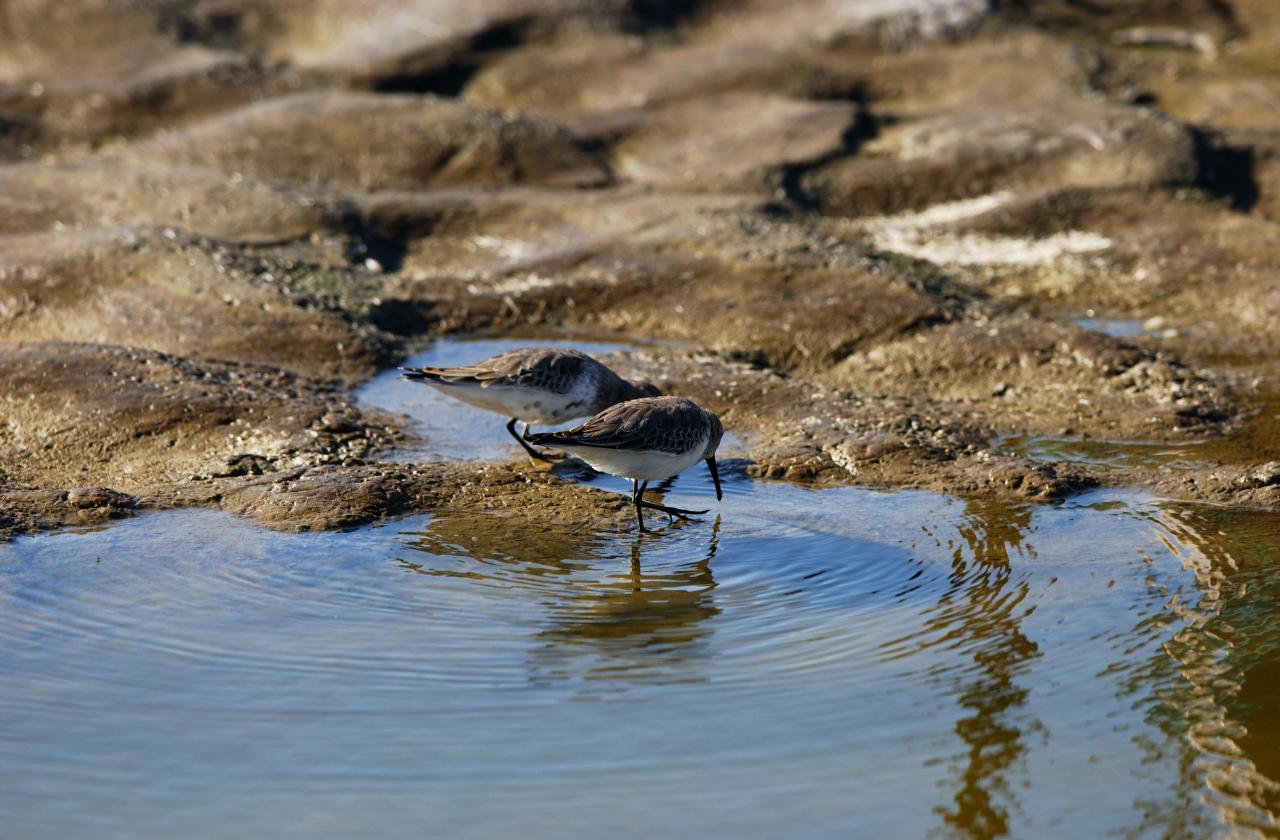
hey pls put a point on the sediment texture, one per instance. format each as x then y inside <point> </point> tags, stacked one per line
<point>888,237</point>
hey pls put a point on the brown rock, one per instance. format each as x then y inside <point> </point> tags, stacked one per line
<point>147,289</point>
<point>731,142</point>
<point>342,496</point>
<point>393,39</point>
<point>145,423</point>
<point>1080,143</point>
<point>25,509</point>
<point>105,194</point>
<point>373,141</point>
<point>1050,375</point>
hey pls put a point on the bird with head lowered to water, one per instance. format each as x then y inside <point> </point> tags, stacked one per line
<point>645,440</point>
<point>534,385</point>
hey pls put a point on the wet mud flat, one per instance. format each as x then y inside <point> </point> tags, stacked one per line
<point>879,239</point>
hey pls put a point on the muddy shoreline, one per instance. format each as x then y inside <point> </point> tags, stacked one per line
<point>886,243</point>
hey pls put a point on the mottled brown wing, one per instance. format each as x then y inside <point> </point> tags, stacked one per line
<point>662,424</point>
<point>554,370</point>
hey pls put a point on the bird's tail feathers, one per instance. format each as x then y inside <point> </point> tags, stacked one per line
<point>441,376</point>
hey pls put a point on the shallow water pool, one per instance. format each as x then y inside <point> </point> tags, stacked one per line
<point>1111,453</point>
<point>801,663</point>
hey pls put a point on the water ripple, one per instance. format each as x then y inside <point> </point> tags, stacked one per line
<point>824,657</point>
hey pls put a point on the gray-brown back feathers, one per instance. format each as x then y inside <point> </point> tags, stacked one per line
<point>550,369</point>
<point>656,424</point>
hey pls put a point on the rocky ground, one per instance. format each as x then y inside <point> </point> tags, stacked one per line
<point>891,236</point>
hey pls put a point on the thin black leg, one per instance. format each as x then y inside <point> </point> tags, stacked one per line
<point>673,511</point>
<point>637,499</point>
<point>533,453</point>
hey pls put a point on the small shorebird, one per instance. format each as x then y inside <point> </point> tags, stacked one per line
<point>534,385</point>
<point>645,440</point>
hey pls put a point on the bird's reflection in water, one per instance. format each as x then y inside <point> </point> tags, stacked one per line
<point>645,625</point>
<point>617,613</point>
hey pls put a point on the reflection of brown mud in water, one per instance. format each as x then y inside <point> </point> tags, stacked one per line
<point>1258,698</point>
<point>1207,688</point>
<point>980,615</point>
<point>496,547</point>
<point>1258,438</point>
<point>641,627</point>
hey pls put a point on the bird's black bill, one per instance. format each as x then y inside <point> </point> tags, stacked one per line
<point>715,476</point>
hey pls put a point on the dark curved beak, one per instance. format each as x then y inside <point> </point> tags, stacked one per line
<point>715,476</point>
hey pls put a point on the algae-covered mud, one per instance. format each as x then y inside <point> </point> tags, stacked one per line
<point>830,663</point>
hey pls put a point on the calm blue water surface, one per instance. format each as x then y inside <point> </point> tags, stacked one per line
<point>801,663</point>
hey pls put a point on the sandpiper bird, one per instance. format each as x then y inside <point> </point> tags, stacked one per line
<point>645,440</point>
<point>534,385</point>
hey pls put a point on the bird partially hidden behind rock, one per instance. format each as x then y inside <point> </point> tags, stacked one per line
<point>534,385</point>
<point>644,440</point>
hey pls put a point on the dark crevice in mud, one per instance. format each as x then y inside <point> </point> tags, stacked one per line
<point>404,318</point>
<point>929,279</point>
<point>1200,416</point>
<point>598,150</point>
<point>217,28</point>
<point>450,76</point>
<point>1057,14</point>
<point>1099,17</point>
<point>383,237</point>
<point>18,134</point>
<point>865,128</point>
<point>753,358</point>
<point>644,16</point>
<point>776,210</point>
<point>352,294</point>
<point>1230,20</point>
<point>1226,170</point>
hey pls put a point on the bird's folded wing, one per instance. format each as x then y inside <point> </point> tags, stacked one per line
<point>630,425</point>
